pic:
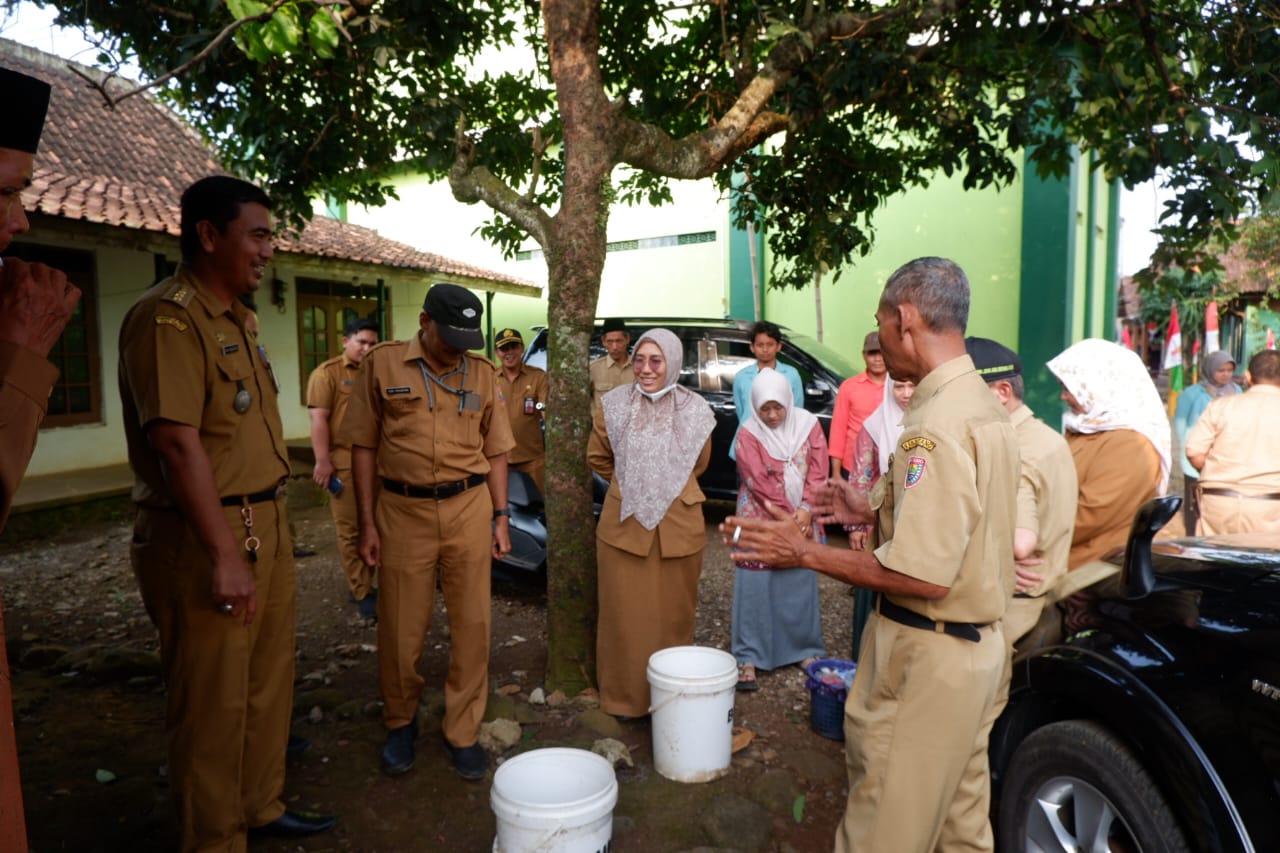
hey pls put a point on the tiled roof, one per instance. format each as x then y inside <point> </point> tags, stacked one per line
<point>127,167</point>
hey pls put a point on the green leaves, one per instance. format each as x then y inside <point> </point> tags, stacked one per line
<point>281,33</point>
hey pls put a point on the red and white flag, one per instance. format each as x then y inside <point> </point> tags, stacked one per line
<point>1271,339</point>
<point>1211,328</point>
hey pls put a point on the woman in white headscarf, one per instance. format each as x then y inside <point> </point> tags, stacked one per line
<point>782,459</point>
<point>1119,436</point>
<point>651,440</point>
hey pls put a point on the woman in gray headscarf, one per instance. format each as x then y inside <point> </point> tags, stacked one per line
<point>651,440</point>
<point>1217,379</point>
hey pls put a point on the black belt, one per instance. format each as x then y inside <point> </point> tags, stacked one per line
<point>1228,493</point>
<point>438,492</point>
<point>903,616</point>
<point>255,498</point>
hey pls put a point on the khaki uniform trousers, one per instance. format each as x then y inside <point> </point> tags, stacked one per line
<point>916,727</point>
<point>420,538</point>
<point>1225,514</point>
<point>342,507</point>
<point>229,687</point>
<point>535,468</point>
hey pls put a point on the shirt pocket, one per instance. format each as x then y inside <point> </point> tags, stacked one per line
<point>400,410</point>
<point>236,373</point>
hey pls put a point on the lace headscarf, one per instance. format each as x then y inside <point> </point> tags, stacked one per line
<point>1113,387</point>
<point>656,437</point>
<point>789,442</point>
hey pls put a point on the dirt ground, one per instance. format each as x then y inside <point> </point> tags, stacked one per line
<point>90,718</point>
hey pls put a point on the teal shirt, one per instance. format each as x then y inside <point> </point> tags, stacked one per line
<point>1191,405</point>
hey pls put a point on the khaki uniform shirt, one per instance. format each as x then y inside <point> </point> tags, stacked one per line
<point>1117,471</point>
<point>606,375</point>
<point>947,503</point>
<point>330,388</point>
<point>425,438</point>
<point>1237,436</point>
<point>523,394</point>
<point>1046,493</point>
<point>26,381</point>
<point>184,357</point>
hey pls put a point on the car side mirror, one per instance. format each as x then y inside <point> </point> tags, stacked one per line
<point>1139,574</point>
<point>817,391</point>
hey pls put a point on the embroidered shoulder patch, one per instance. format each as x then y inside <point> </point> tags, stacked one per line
<point>166,320</point>
<point>918,441</point>
<point>915,471</point>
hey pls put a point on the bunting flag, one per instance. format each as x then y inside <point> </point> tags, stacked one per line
<point>1173,358</point>
<point>1271,339</point>
<point>1195,361</point>
<point>1211,343</point>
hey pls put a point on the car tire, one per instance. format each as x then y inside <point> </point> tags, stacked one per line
<point>1073,785</point>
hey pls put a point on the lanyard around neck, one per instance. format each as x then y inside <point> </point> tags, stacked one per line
<point>429,379</point>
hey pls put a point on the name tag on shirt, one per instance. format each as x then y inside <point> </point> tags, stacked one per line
<point>230,349</point>
<point>470,401</point>
<point>400,389</point>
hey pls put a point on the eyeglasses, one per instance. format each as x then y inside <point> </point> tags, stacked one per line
<point>655,362</point>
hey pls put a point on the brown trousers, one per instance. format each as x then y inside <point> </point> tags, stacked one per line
<point>1224,514</point>
<point>916,726</point>
<point>646,604</point>
<point>535,468</point>
<point>229,687</point>
<point>345,521</point>
<point>420,538</point>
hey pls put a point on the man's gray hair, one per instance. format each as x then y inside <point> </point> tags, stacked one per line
<point>937,287</point>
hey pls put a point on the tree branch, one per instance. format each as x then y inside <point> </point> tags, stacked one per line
<point>227,32</point>
<point>471,183</point>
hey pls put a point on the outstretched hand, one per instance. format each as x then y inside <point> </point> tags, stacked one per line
<point>779,542</point>
<point>840,502</point>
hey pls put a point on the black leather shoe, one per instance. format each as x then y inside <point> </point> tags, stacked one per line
<point>296,746</point>
<point>296,824</point>
<point>470,762</point>
<point>397,752</point>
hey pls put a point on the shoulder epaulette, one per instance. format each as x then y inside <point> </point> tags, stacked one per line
<point>179,293</point>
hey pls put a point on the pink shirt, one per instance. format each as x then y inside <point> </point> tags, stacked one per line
<point>858,397</point>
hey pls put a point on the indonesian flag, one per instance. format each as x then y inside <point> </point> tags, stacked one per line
<point>1195,361</point>
<point>1173,357</point>
<point>1271,339</point>
<point>1211,328</point>
<point>1126,339</point>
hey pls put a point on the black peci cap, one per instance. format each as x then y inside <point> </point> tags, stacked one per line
<point>614,324</point>
<point>26,100</point>
<point>993,359</point>
<point>457,311</point>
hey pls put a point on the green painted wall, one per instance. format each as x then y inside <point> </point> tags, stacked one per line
<point>981,231</point>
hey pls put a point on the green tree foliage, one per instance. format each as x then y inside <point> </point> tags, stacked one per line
<point>828,109</point>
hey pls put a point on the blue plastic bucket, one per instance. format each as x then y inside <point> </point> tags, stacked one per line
<point>829,680</point>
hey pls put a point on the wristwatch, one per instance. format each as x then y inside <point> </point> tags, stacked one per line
<point>505,512</point>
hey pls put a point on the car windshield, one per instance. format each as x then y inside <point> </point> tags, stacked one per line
<point>825,354</point>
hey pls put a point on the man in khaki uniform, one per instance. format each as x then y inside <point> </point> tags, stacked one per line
<point>1047,489</point>
<point>613,369</point>
<point>35,304</point>
<point>328,391</point>
<point>933,655</point>
<point>211,548</point>
<point>425,421</point>
<point>1233,446</point>
<point>525,389</point>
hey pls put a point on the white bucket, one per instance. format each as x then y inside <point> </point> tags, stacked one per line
<point>554,801</point>
<point>691,699</point>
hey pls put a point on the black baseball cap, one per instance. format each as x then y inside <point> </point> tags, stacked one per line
<point>993,359</point>
<point>26,100</point>
<point>508,336</point>
<point>457,313</point>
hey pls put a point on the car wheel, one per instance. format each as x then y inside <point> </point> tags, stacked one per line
<point>1073,786</point>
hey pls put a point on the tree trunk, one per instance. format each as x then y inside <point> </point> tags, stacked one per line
<point>575,252</point>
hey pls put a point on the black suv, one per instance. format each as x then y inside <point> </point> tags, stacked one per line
<point>1156,725</point>
<point>714,352</point>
